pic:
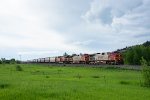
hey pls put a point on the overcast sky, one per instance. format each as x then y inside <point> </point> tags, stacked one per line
<point>43,28</point>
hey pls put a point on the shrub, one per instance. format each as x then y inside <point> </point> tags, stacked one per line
<point>19,68</point>
<point>78,76</point>
<point>124,82</point>
<point>145,72</point>
<point>47,76</point>
<point>3,86</point>
<point>95,76</point>
<point>12,61</point>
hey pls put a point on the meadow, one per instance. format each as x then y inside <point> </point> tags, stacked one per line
<point>46,82</point>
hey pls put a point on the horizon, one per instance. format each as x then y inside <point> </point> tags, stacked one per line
<point>44,28</point>
<point>20,57</point>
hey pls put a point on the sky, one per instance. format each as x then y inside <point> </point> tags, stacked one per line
<point>42,28</point>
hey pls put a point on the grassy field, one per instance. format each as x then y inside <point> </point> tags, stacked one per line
<point>43,82</point>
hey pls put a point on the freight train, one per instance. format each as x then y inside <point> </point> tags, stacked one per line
<point>96,58</point>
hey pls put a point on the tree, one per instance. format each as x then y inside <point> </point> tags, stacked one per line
<point>129,57</point>
<point>146,44</point>
<point>3,60</point>
<point>145,72</point>
<point>65,54</point>
<point>133,55</point>
<point>0,62</point>
<point>12,61</point>
<point>135,58</point>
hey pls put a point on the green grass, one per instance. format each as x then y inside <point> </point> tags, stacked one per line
<point>43,82</point>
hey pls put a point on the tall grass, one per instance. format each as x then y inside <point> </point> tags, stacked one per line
<point>41,82</point>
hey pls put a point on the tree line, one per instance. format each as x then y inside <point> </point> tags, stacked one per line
<point>133,55</point>
<point>11,61</point>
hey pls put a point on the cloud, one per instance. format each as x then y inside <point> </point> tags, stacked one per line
<point>84,43</point>
<point>37,52</point>
<point>123,20</point>
<point>34,27</point>
<point>104,11</point>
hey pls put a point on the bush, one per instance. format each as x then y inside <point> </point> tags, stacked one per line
<point>12,61</point>
<point>95,76</point>
<point>145,72</point>
<point>19,68</point>
<point>47,76</point>
<point>78,76</point>
<point>3,86</point>
<point>124,82</point>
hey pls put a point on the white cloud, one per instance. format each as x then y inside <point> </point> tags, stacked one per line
<point>104,11</point>
<point>37,52</point>
<point>123,20</point>
<point>34,27</point>
<point>84,43</point>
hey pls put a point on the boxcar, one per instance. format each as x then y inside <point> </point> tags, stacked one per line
<point>59,59</point>
<point>42,60</point>
<point>47,59</point>
<point>38,60</point>
<point>52,60</point>
<point>64,59</point>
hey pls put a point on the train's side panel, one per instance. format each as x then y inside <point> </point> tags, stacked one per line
<point>47,59</point>
<point>66,59</point>
<point>42,60</point>
<point>76,58</point>
<point>62,59</point>
<point>84,58</point>
<point>34,61</point>
<point>39,60</point>
<point>69,59</point>
<point>101,57</point>
<point>92,59</point>
<point>58,59</point>
<point>52,60</point>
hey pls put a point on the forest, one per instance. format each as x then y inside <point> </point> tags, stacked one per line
<point>133,55</point>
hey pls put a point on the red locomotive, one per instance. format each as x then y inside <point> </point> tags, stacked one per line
<point>115,58</point>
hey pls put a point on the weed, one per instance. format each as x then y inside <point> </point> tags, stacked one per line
<point>19,68</point>
<point>59,71</point>
<point>47,76</point>
<point>53,95</point>
<point>95,76</point>
<point>78,76</point>
<point>124,82</point>
<point>3,86</point>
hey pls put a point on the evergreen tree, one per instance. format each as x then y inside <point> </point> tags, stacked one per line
<point>65,54</point>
